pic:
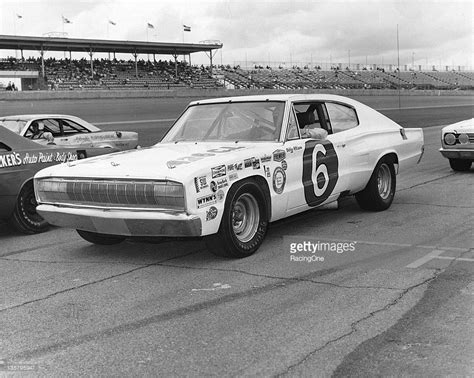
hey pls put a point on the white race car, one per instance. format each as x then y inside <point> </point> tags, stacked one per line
<point>230,166</point>
<point>67,130</point>
<point>457,144</point>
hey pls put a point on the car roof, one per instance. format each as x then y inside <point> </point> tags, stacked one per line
<point>28,117</point>
<point>278,97</point>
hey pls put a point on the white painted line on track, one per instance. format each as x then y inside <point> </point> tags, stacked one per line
<point>425,259</point>
<point>436,255</point>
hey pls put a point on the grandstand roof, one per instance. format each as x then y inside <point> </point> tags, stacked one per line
<point>8,42</point>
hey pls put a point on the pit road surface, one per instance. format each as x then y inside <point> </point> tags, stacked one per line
<point>399,303</point>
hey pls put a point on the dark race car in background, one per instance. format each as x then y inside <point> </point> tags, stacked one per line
<point>20,159</point>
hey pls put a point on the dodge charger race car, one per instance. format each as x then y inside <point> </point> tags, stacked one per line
<point>67,130</point>
<point>230,166</point>
<point>457,144</point>
<point>20,159</point>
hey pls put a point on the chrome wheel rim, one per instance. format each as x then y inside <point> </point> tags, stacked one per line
<point>384,181</point>
<point>245,217</point>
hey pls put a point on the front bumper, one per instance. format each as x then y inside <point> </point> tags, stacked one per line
<point>454,153</point>
<point>122,222</point>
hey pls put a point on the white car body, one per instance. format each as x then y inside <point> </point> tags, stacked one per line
<point>71,131</point>
<point>287,170</point>
<point>457,144</point>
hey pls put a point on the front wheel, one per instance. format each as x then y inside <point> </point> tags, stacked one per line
<point>101,239</point>
<point>380,190</point>
<point>460,165</point>
<point>244,222</point>
<point>25,218</point>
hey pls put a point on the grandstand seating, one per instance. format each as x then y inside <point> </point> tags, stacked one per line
<point>65,74</point>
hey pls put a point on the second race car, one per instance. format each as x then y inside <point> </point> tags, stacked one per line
<point>67,130</point>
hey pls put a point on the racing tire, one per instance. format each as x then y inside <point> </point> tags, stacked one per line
<point>25,218</point>
<point>460,165</point>
<point>244,222</point>
<point>380,190</point>
<point>101,239</point>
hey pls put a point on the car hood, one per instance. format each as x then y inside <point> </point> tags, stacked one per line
<point>466,126</point>
<point>180,161</point>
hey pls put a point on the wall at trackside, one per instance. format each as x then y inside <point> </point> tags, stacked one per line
<point>206,93</point>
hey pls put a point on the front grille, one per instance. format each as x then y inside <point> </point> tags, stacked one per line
<point>471,137</point>
<point>111,193</point>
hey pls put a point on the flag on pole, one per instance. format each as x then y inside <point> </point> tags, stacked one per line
<point>66,21</point>
<point>19,15</point>
<point>150,26</point>
<point>113,23</point>
<point>186,28</point>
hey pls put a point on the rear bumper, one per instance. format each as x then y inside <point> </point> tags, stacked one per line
<point>122,222</point>
<point>457,153</point>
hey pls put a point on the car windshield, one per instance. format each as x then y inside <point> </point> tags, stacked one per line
<point>230,121</point>
<point>14,125</point>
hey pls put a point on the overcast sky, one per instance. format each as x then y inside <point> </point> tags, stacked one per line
<point>431,32</point>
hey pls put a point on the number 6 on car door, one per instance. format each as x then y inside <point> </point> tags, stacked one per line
<point>320,171</point>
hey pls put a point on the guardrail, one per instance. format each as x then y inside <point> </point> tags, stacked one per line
<point>203,93</point>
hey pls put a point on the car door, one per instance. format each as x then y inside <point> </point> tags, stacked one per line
<point>350,143</point>
<point>315,163</point>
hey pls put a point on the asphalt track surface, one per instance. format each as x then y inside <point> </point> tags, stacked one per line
<point>399,304</point>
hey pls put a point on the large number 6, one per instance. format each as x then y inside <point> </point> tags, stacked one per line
<point>319,157</point>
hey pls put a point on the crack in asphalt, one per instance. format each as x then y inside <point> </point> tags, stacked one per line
<point>434,205</point>
<point>36,247</point>
<point>354,324</point>
<point>147,321</point>
<point>302,278</point>
<point>426,182</point>
<point>91,283</point>
<point>73,262</point>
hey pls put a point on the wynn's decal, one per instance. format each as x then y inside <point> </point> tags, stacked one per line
<point>201,155</point>
<point>320,171</point>
<point>211,199</point>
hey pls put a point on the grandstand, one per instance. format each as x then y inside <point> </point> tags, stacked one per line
<point>112,74</point>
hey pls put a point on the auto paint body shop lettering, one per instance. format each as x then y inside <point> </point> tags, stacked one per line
<point>49,157</point>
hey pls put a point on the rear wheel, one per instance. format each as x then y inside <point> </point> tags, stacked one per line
<point>25,218</point>
<point>380,190</point>
<point>244,223</point>
<point>102,239</point>
<point>460,165</point>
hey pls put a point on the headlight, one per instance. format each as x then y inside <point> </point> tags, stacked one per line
<point>463,138</point>
<point>450,139</point>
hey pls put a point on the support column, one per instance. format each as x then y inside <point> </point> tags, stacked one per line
<point>135,55</point>
<point>210,58</point>
<point>176,66</point>
<point>42,61</point>
<point>92,63</point>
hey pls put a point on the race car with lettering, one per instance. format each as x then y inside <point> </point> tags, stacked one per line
<point>20,159</point>
<point>230,166</point>
<point>67,130</point>
<point>457,144</point>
